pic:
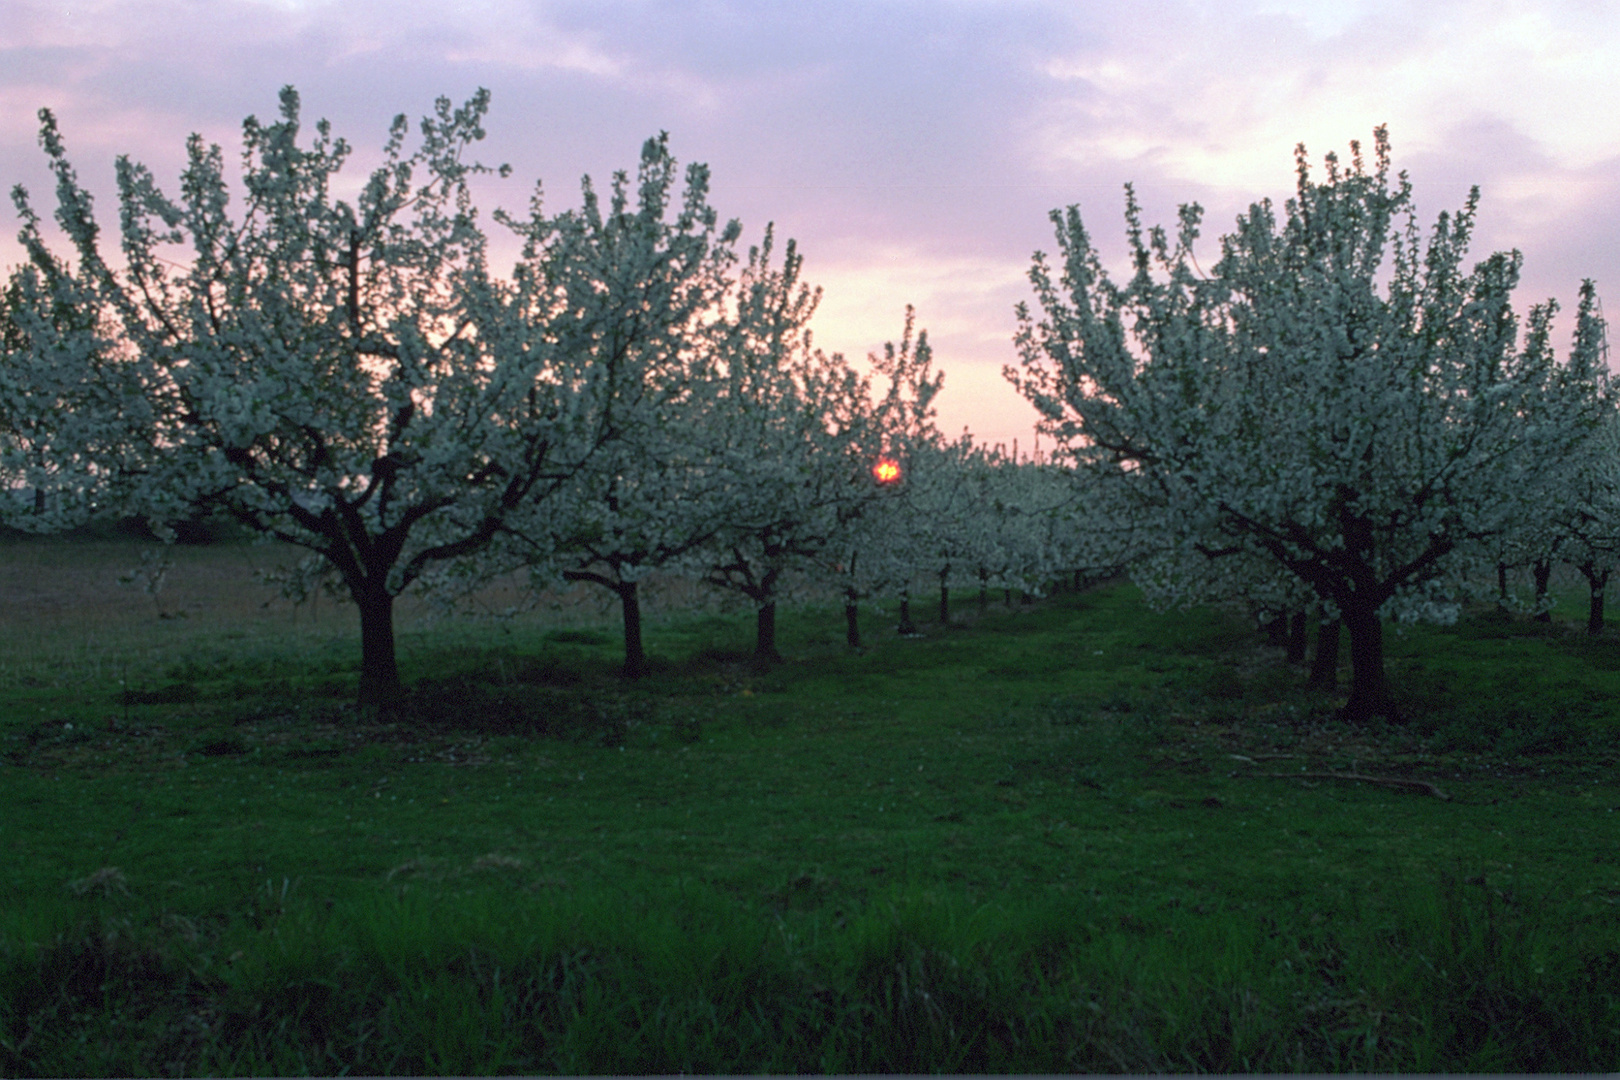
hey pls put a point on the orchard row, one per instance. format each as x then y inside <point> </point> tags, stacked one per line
<point>1337,420</point>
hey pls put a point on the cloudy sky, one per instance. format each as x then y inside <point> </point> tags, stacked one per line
<point>914,148</point>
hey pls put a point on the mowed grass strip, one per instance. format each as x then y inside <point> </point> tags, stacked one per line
<point>1060,836</point>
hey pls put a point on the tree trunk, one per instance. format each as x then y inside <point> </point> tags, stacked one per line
<point>1325,667</point>
<point>39,500</point>
<point>765,653</point>
<point>1542,569</point>
<point>944,598</point>
<point>984,592</point>
<point>1596,581</point>
<point>635,656</point>
<point>906,626</point>
<point>852,624</point>
<point>379,669</point>
<point>1078,580</point>
<point>1276,629</point>
<point>1369,690</point>
<point>1296,638</point>
<point>1501,587</point>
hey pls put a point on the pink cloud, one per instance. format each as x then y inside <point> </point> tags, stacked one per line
<point>913,148</point>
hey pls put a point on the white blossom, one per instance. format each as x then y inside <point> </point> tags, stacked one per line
<point>348,378</point>
<point>1363,429</point>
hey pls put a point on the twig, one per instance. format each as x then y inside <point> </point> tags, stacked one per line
<point>1420,786</point>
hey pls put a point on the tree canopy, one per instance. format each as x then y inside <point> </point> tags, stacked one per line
<point>1335,396</point>
<point>351,378</point>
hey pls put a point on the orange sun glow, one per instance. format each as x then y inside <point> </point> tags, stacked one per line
<point>886,471</point>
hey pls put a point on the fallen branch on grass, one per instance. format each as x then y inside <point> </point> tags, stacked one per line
<point>1423,787</point>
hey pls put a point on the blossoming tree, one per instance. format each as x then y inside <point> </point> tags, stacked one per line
<point>72,415</point>
<point>1592,520</point>
<point>1335,396</point>
<point>784,431</point>
<point>345,377</point>
<point>640,295</point>
<point>873,553</point>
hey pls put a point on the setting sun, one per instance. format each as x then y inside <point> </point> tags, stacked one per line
<point>886,471</point>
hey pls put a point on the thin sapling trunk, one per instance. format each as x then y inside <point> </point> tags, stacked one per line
<point>1542,571</point>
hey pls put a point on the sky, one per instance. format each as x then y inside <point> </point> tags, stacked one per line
<point>913,148</point>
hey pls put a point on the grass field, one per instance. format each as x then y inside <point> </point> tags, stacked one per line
<point>1071,836</point>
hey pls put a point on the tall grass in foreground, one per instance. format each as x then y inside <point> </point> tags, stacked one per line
<point>1457,977</point>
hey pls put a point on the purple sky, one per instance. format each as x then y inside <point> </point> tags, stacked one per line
<point>913,148</point>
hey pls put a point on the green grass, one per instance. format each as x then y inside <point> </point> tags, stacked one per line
<point>1042,840</point>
